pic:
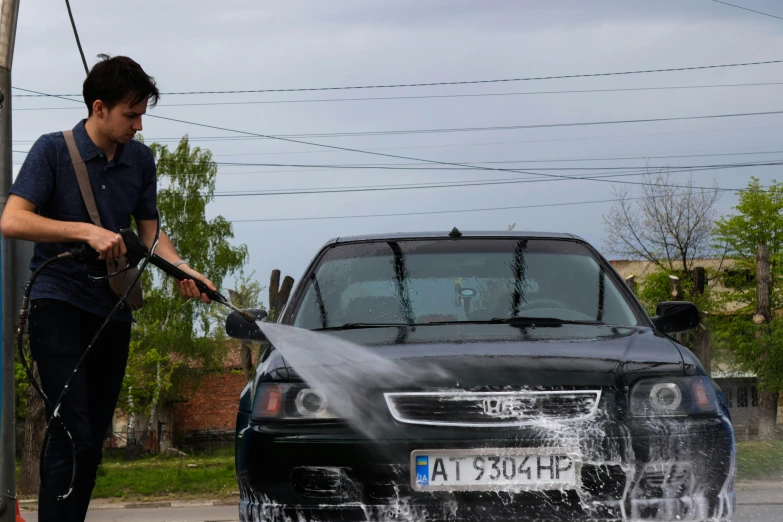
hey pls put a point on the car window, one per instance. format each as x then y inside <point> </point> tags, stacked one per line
<point>466,280</point>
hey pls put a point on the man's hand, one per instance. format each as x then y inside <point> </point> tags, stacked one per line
<point>188,288</point>
<point>108,244</point>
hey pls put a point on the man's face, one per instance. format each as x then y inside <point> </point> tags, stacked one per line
<point>121,123</point>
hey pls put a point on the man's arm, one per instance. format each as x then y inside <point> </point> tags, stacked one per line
<point>166,250</point>
<point>19,221</point>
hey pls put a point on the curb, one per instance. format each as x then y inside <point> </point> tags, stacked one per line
<point>32,504</point>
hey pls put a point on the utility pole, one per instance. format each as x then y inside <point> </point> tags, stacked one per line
<point>9,12</point>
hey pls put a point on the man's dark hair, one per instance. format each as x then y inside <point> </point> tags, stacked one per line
<point>118,79</point>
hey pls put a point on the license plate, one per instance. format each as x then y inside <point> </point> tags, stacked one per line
<point>485,469</point>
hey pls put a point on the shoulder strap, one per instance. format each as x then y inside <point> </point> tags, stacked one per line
<point>82,177</point>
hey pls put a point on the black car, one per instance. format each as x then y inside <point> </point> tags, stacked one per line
<point>477,376</point>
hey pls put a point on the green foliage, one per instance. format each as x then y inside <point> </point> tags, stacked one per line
<point>752,348</point>
<point>655,288</point>
<point>143,364</point>
<point>170,330</point>
<point>22,384</point>
<point>247,293</point>
<point>758,221</point>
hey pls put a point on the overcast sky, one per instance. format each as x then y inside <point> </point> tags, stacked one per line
<point>196,45</point>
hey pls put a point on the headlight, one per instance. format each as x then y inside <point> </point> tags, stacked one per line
<point>290,402</point>
<point>677,396</point>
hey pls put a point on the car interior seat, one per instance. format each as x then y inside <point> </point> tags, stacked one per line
<point>374,309</point>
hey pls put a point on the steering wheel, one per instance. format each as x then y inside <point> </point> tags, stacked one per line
<point>503,308</point>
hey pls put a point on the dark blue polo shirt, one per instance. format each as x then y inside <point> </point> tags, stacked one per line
<point>124,186</point>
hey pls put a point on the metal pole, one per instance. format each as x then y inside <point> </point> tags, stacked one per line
<point>9,12</point>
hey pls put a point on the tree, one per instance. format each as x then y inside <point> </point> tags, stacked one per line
<point>172,333</point>
<point>246,294</point>
<point>670,226</point>
<point>35,424</point>
<point>755,347</point>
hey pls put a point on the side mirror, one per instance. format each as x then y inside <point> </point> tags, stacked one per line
<point>240,328</point>
<point>672,317</point>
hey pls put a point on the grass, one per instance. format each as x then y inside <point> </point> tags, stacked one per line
<point>166,478</point>
<point>162,477</point>
<point>760,460</point>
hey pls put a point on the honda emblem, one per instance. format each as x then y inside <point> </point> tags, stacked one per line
<point>496,407</point>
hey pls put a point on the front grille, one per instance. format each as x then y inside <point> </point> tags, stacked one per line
<point>665,480</point>
<point>323,482</point>
<point>488,409</point>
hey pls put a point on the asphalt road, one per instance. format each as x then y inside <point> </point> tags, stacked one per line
<point>753,506</point>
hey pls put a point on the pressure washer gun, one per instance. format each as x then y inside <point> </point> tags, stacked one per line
<point>137,251</point>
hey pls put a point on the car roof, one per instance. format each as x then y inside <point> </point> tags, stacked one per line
<point>504,234</point>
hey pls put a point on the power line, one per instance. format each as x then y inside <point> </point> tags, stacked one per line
<point>222,173</point>
<point>76,35</point>
<point>434,96</point>
<point>415,166</point>
<point>458,211</point>
<point>746,9</point>
<point>446,184</point>
<point>513,127</point>
<point>468,82</point>
<point>495,128</point>
<point>512,142</point>
<point>547,160</point>
<point>346,149</point>
<point>396,214</point>
<point>566,160</point>
<point>359,151</point>
<point>285,137</point>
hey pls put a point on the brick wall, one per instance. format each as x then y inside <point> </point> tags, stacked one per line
<point>212,405</point>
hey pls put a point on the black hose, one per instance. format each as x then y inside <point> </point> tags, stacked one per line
<point>23,313</point>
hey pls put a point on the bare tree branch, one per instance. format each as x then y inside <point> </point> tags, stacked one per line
<point>669,226</point>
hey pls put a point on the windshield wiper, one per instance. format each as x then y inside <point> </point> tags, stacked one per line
<point>537,321</point>
<point>352,326</point>
<point>544,321</point>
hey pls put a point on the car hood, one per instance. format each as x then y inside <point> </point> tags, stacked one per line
<point>505,355</point>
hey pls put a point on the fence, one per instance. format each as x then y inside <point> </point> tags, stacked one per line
<point>196,440</point>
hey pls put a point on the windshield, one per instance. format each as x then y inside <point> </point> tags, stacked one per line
<point>424,281</point>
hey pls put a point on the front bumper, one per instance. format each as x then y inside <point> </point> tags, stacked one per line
<point>675,469</point>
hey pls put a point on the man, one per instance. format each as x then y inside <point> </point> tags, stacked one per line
<point>68,303</point>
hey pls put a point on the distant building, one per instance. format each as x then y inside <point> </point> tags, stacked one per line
<point>204,414</point>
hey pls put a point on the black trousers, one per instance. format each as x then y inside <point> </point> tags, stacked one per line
<point>59,335</point>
